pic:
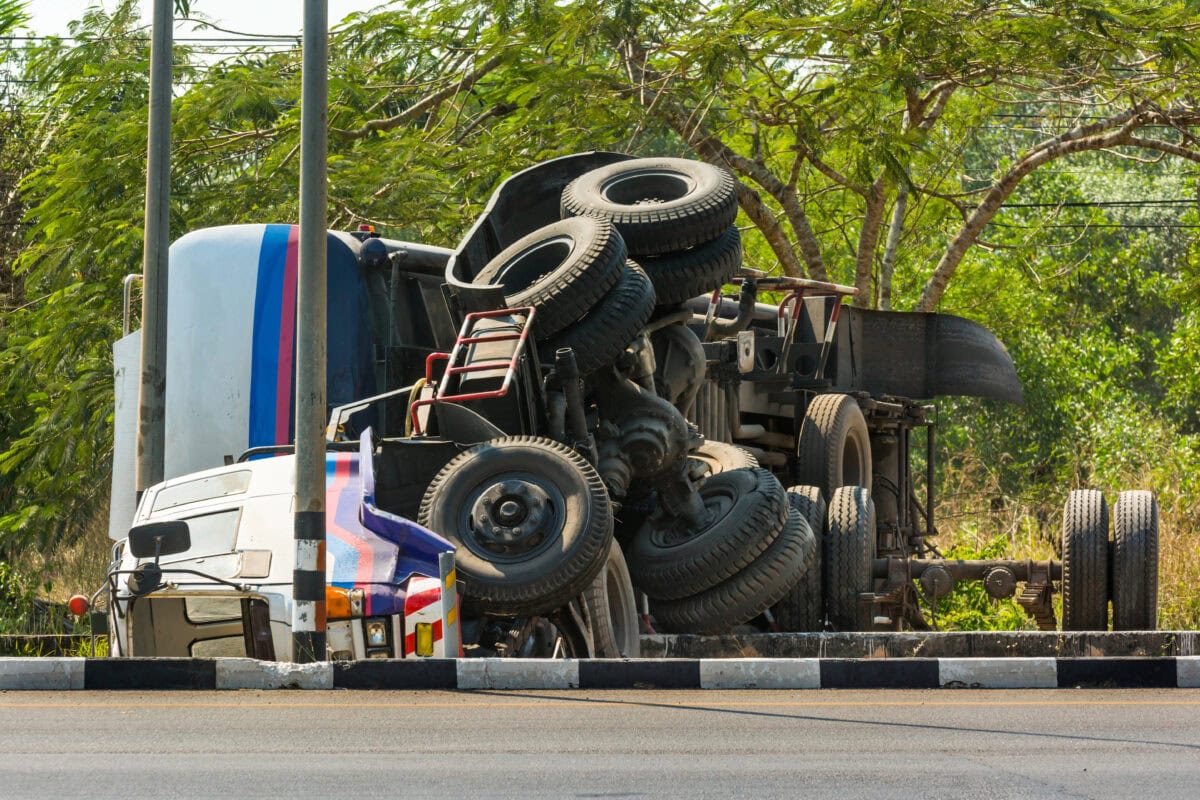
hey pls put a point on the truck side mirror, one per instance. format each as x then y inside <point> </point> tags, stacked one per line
<point>156,539</point>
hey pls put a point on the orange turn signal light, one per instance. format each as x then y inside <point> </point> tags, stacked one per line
<point>337,603</point>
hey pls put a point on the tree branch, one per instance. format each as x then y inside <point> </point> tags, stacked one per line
<point>421,106</point>
<point>1045,152</point>
<point>868,238</point>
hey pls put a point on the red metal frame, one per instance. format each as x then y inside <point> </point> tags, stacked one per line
<point>787,321</point>
<point>465,337</point>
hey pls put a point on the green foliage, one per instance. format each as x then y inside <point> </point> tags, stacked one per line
<point>84,203</point>
<point>12,14</point>
<point>968,607</point>
<point>19,611</point>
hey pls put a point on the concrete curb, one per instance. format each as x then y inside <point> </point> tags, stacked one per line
<point>909,644</point>
<point>467,674</point>
<point>927,644</point>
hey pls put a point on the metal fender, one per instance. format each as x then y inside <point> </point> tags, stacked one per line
<point>928,355</point>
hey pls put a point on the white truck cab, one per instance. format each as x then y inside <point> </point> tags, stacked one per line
<point>207,569</point>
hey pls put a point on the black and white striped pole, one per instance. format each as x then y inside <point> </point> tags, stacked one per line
<point>308,609</point>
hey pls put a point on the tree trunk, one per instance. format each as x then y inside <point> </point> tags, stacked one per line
<point>764,219</point>
<point>868,238</point>
<point>888,264</point>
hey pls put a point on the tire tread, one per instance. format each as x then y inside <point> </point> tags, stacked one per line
<point>749,592</point>
<point>1085,562</point>
<point>717,553</point>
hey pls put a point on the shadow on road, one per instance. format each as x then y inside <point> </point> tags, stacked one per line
<point>833,719</point>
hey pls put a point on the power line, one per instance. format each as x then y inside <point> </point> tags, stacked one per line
<point>1104,203</point>
<point>1171,226</point>
<point>249,37</point>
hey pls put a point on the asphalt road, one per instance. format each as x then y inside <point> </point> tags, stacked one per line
<point>687,744</point>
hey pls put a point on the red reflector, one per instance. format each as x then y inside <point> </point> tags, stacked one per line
<point>78,605</point>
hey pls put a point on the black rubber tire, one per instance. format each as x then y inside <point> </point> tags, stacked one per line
<point>562,270</point>
<point>577,531</point>
<point>1085,562</point>
<point>834,447</point>
<point>600,337</point>
<point>748,510</point>
<point>682,275</point>
<point>748,593</point>
<point>612,608</point>
<point>659,205</point>
<point>849,553</point>
<point>1135,562</point>
<point>803,607</point>
<point>712,458</point>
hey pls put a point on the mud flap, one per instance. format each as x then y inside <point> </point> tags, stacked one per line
<point>917,355</point>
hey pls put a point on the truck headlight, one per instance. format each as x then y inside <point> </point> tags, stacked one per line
<point>376,633</point>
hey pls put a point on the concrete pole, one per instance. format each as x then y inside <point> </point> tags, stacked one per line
<point>155,243</point>
<point>308,611</point>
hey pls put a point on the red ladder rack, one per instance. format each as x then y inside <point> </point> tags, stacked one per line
<point>466,336</point>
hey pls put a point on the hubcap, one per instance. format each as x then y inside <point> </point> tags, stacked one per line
<point>512,517</point>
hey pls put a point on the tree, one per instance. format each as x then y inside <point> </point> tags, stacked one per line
<point>830,114</point>
<point>12,15</point>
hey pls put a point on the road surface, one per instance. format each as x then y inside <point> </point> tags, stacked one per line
<point>614,744</point>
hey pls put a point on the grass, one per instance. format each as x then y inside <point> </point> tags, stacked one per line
<point>77,568</point>
<point>976,519</point>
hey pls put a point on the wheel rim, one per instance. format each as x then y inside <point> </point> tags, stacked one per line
<point>649,187</point>
<point>513,519</point>
<point>718,502</point>
<point>616,608</point>
<point>534,263</point>
<point>852,463</point>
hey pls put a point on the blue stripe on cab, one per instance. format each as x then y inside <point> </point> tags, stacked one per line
<point>264,353</point>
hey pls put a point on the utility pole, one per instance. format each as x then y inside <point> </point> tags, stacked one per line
<point>308,610</point>
<point>155,244</point>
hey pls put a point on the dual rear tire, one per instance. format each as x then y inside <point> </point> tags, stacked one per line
<point>1095,570</point>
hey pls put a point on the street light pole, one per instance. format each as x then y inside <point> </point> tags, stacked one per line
<point>308,611</point>
<point>156,241</point>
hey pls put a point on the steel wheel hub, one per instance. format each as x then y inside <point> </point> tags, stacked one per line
<point>511,517</point>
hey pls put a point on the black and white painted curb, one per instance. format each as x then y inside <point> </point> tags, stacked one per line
<point>744,673</point>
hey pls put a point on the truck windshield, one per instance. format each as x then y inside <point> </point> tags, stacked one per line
<point>211,534</point>
<point>208,488</point>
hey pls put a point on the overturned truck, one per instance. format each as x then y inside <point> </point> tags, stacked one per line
<point>567,405</point>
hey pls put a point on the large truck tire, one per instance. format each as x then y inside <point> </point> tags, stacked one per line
<point>849,556</point>
<point>748,593</point>
<point>531,520</point>
<point>713,458</point>
<point>803,607</point>
<point>684,274</point>
<point>659,205</point>
<point>1085,562</point>
<point>561,270</point>
<point>612,609</point>
<point>603,334</point>
<point>834,447</point>
<point>1135,562</point>
<point>746,509</point>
